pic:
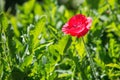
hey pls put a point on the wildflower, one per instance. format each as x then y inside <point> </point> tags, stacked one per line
<point>77,26</point>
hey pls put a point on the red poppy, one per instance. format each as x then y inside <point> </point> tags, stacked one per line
<point>78,25</point>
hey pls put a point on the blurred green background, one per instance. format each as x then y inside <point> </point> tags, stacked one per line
<point>33,47</point>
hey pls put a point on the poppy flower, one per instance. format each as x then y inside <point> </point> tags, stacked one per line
<point>77,26</point>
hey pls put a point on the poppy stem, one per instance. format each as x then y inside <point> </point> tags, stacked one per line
<point>92,65</point>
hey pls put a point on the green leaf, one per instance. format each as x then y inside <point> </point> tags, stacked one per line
<point>100,63</point>
<point>112,3</point>
<point>113,65</point>
<point>3,21</point>
<point>103,9</point>
<point>1,71</point>
<point>55,57</point>
<point>63,44</point>
<point>15,27</point>
<point>2,2</point>
<point>113,28</point>
<point>28,6</point>
<point>64,75</point>
<point>38,9</point>
<point>80,48</point>
<point>37,30</point>
<point>27,61</point>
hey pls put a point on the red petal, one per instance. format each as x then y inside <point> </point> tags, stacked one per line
<point>78,25</point>
<point>77,20</point>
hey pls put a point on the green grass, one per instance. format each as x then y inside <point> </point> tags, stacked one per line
<point>33,47</point>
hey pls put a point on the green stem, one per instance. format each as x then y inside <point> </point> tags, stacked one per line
<point>92,65</point>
